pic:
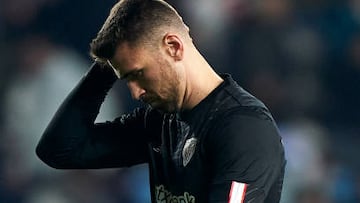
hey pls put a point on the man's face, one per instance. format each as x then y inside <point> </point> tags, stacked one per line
<point>151,76</point>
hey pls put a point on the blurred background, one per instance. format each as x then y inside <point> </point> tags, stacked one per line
<point>302,58</point>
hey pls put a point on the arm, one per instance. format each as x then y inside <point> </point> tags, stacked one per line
<point>247,161</point>
<point>72,140</point>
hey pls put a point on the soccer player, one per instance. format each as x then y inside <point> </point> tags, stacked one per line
<point>205,138</point>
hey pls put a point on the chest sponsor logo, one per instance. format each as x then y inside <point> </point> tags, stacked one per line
<point>188,150</point>
<point>164,196</point>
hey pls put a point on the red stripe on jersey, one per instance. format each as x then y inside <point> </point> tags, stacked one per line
<point>237,192</point>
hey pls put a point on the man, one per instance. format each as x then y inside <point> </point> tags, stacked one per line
<point>204,137</point>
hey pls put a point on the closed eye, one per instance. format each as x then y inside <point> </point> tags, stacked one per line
<point>133,75</point>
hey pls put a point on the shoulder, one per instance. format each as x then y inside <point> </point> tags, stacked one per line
<point>243,139</point>
<point>239,106</point>
<point>244,129</point>
<point>238,96</point>
<point>239,118</point>
<point>245,118</point>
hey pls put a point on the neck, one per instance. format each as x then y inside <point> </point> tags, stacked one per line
<point>201,80</point>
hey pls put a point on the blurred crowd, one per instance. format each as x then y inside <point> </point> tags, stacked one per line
<point>302,58</point>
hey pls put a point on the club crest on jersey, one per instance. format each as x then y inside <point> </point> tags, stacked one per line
<point>188,150</point>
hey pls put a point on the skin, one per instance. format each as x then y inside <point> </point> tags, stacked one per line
<point>171,76</point>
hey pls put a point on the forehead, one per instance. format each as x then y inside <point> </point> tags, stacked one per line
<point>127,56</point>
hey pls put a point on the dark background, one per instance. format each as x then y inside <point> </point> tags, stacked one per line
<point>302,58</point>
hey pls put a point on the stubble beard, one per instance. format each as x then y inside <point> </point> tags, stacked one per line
<point>170,89</point>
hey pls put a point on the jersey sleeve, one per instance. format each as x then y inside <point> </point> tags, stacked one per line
<point>246,160</point>
<point>73,141</point>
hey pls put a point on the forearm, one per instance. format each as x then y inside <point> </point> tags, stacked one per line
<point>70,125</point>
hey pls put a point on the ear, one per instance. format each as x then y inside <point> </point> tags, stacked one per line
<point>174,46</point>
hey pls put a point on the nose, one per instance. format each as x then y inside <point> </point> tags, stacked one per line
<point>135,89</point>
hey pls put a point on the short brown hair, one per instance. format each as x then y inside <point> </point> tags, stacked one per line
<point>133,21</point>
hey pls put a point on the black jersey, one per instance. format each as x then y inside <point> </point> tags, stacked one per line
<point>226,149</point>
